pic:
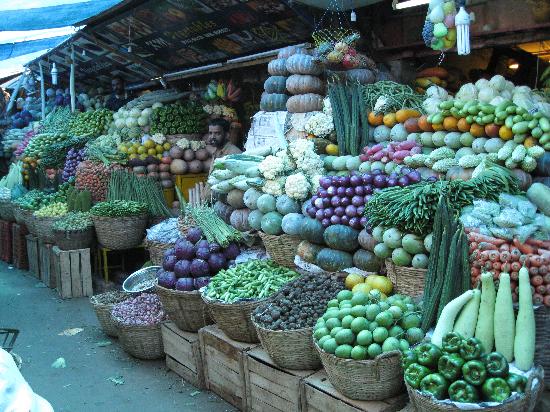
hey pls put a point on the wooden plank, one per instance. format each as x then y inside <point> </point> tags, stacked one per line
<point>76,282</point>
<point>32,251</point>
<point>179,347</point>
<point>86,272</point>
<point>183,371</point>
<point>259,405</point>
<point>265,379</point>
<point>270,397</point>
<point>65,275</point>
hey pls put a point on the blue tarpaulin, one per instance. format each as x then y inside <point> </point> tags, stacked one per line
<point>52,17</point>
<point>10,50</point>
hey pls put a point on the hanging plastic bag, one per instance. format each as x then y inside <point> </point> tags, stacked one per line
<point>439,32</point>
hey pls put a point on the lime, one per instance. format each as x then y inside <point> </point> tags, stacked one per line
<point>384,318</point>
<point>403,345</point>
<point>364,338</point>
<point>414,335</point>
<point>380,334</point>
<point>330,345</point>
<point>384,305</point>
<point>166,146</point>
<point>359,353</point>
<point>390,344</point>
<point>396,312</point>
<point>319,333</point>
<point>372,326</point>
<point>332,323</point>
<point>344,336</point>
<point>359,298</point>
<point>322,341</point>
<point>372,310</point>
<point>345,303</point>
<point>331,313</point>
<point>411,307</point>
<point>343,351</point>
<point>342,313</point>
<point>333,303</point>
<point>410,320</point>
<point>396,331</point>
<point>346,322</point>
<point>320,322</point>
<point>358,310</point>
<point>344,295</point>
<point>359,324</point>
<point>374,350</point>
<point>335,330</point>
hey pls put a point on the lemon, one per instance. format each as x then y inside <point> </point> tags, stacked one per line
<point>361,287</point>
<point>159,148</point>
<point>353,279</point>
<point>141,149</point>
<point>332,149</point>
<point>151,152</point>
<point>149,144</point>
<point>132,150</point>
<point>166,146</point>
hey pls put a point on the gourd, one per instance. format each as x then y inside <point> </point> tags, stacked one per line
<point>341,237</point>
<point>250,198</point>
<point>463,151</point>
<point>312,230</point>
<point>524,342</point>
<point>273,102</point>
<point>366,240</point>
<point>333,260</point>
<point>452,140</point>
<point>398,133</point>
<point>303,64</point>
<point>286,205</point>
<point>448,315</point>
<point>504,312</point>
<point>271,223</point>
<point>367,261</point>
<point>304,103</point>
<point>275,84</point>
<point>288,51</point>
<point>543,165</point>
<point>539,194</point>
<point>239,220</point>
<point>235,199</point>
<point>277,67</point>
<point>478,145</point>
<point>363,76</point>
<point>292,223</point>
<point>486,316</point>
<point>308,251</point>
<point>381,133</point>
<point>255,219</point>
<point>493,145</point>
<point>266,203</point>
<point>304,83</point>
<point>465,325</point>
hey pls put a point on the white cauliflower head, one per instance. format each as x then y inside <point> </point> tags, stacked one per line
<point>271,167</point>
<point>274,187</point>
<point>297,186</point>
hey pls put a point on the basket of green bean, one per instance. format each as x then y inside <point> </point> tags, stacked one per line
<point>119,224</point>
<point>234,293</point>
<point>73,231</point>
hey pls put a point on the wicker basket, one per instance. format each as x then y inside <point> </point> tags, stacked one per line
<point>43,227</point>
<point>103,313</point>
<point>526,403</point>
<point>29,220</point>
<point>71,240</point>
<point>120,233</point>
<point>184,225</point>
<point>290,349</point>
<point>234,319</point>
<point>19,215</point>
<point>282,249</point>
<point>186,309</point>
<point>542,345</point>
<point>156,251</point>
<point>406,280</point>
<point>367,380</point>
<point>7,211</point>
<point>142,342</point>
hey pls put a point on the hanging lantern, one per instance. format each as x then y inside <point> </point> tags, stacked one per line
<point>462,23</point>
<point>54,74</point>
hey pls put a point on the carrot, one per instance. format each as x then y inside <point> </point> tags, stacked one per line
<point>487,246</point>
<point>475,271</point>
<point>514,275</point>
<point>473,246</point>
<point>513,285</point>
<point>547,278</point>
<point>541,289</point>
<point>505,267</point>
<point>544,244</point>
<point>543,270</point>
<point>497,266</point>
<point>478,237</point>
<point>523,248</point>
<point>496,274</point>
<point>505,256</point>
<point>535,260</point>
<point>515,253</point>
<point>537,280</point>
<point>505,247</point>
<point>537,299</point>
<point>515,266</point>
<point>546,300</point>
<point>487,265</point>
<point>494,256</point>
<point>533,271</point>
<point>471,230</point>
<point>524,260</point>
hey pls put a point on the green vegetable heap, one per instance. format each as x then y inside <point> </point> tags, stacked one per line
<point>460,371</point>
<point>255,279</point>
<point>119,208</point>
<point>58,120</point>
<point>105,149</point>
<point>92,123</point>
<point>35,199</point>
<point>54,155</point>
<point>73,222</point>
<point>178,119</point>
<point>39,144</point>
<point>52,210</point>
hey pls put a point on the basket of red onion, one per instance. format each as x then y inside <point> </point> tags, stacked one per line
<point>340,200</point>
<point>186,268</point>
<point>138,322</point>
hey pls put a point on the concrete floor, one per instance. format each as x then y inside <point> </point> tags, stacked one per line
<point>84,384</point>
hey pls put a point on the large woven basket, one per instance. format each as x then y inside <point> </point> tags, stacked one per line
<point>103,313</point>
<point>142,342</point>
<point>186,309</point>
<point>74,239</point>
<point>184,224</point>
<point>526,403</point>
<point>19,215</point>
<point>7,211</point>
<point>366,380</point>
<point>406,280</point>
<point>43,227</point>
<point>29,220</point>
<point>234,319</point>
<point>542,345</point>
<point>156,251</point>
<point>119,233</point>
<point>290,349</point>
<point>282,249</point>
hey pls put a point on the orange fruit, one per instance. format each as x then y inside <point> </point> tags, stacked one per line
<point>390,120</point>
<point>375,119</point>
<point>404,114</point>
<point>450,124</point>
<point>463,125</point>
<point>423,124</point>
<point>505,133</point>
<point>477,130</point>
<point>437,127</point>
<point>353,279</point>
<point>530,142</point>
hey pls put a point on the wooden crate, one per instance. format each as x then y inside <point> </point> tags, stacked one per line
<point>183,354</point>
<point>224,364</point>
<point>45,261</point>
<point>73,272</point>
<point>6,251</point>
<point>318,395</point>
<point>270,387</point>
<point>19,246</point>
<point>32,253</point>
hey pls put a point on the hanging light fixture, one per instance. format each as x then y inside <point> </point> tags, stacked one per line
<point>54,74</point>
<point>353,16</point>
<point>462,23</point>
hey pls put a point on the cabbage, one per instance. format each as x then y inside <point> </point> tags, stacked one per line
<point>486,94</point>
<point>482,83</point>
<point>467,92</point>
<point>498,82</point>
<point>184,249</point>
<point>194,235</point>
<point>185,284</point>
<point>169,262</point>
<point>231,251</point>
<point>131,122</point>
<point>509,86</point>
<point>135,113</point>
<point>431,105</point>
<point>544,108</point>
<point>157,105</point>
<point>437,92</point>
<point>147,112</point>
<point>142,121</point>
<point>203,253</point>
<point>506,94</point>
<point>217,262</point>
<point>522,89</point>
<point>201,282</point>
<point>167,279</point>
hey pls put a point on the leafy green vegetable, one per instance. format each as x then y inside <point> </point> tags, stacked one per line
<point>74,221</point>
<point>178,118</point>
<point>118,208</point>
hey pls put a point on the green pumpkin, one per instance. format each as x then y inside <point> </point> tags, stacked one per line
<point>275,84</point>
<point>273,102</point>
<point>271,223</point>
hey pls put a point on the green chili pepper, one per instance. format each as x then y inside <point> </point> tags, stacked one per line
<point>471,349</point>
<point>474,372</point>
<point>462,391</point>
<point>495,390</point>
<point>435,385</point>
<point>450,366</point>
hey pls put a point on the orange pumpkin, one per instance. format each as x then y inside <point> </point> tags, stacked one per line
<point>375,119</point>
<point>477,130</point>
<point>424,125</point>
<point>402,115</point>
<point>450,124</point>
<point>463,125</point>
<point>390,120</point>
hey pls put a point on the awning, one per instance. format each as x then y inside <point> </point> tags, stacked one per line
<point>10,50</point>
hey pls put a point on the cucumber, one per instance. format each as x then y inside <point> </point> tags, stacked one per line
<point>511,109</point>
<point>533,123</point>
<point>473,109</point>
<point>448,316</point>
<point>446,105</point>
<point>502,106</point>
<point>488,119</point>
<point>521,127</point>
<point>504,330</point>
<point>467,320</point>
<point>544,124</point>
<point>537,132</point>
<point>486,316</point>
<point>487,108</point>
<point>509,122</point>
<point>524,341</point>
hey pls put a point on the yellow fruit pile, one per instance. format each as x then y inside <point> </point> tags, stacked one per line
<point>142,151</point>
<point>358,283</point>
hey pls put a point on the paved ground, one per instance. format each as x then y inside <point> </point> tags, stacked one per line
<point>85,385</point>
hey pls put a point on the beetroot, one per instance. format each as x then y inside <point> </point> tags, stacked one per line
<point>181,269</point>
<point>169,262</point>
<point>185,284</point>
<point>194,235</point>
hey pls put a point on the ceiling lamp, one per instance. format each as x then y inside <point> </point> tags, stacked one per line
<point>397,5</point>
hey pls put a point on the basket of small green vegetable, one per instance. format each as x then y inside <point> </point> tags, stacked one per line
<point>119,224</point>
<point>233,294</point>
<point>45,217</point>
<point>73,231</point>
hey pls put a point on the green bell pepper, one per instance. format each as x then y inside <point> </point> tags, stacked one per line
<point>516,382</point>
<point>495,390</point>
<point>496,365</point>
<point>462,391</point>
<point>452,342</point>
<point>415,373</point>
<point>471,349</point>
<point>428,354</point>
<point>408,358</point>
<point>474,372</point>
<point>435,384</point>
<point>450,366</point>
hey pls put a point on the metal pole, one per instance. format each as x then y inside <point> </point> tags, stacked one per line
<point>42,91</point>
<point>13,96</point>
<point>71,82</point>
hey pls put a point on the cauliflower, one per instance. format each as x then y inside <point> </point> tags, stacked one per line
<point>320,125</point>
<point>300,147</point>
<point>158,138</point>
<point>315,183</point>
<point>183,143</point>
<point>274,187</point>
<point>297,186</point>
<point>288,162</point>
<point>271,167</point>
<point>327,107</point>
<point>197,144</point>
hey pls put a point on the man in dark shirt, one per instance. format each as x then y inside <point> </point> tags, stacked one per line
<point>120,96</point>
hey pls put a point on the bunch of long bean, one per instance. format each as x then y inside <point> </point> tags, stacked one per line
<point>118,208</point>
<point>412,208</point>
<point>397,96</point>
<point>255,279</point>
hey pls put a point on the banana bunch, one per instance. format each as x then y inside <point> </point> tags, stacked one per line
<point>218,90</point>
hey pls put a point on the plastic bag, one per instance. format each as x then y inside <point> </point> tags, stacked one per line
<point>508,218</point>
<point>482,215</point>
<point>502,232</point>
<point>470,221</point>
<point>542,221</point>
<point>527,209</point>
<point>491,208</point>
<point>524,232</point>
<point>507,200</point>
